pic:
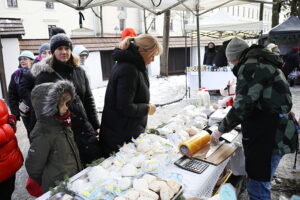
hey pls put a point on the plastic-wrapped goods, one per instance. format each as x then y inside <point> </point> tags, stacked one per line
<point>140,184</point>
<point>132,194</point>
<point>97,174</point>
<point>124,183</point>
<point>149,194</point>
<point>149,178</point>
<point>129,170</point>
<point>174,185</point>
<point>193,131</point>
<point>206,99</point>
<point>194,144</point>
<point>200,97</point>
<point>107,163</point>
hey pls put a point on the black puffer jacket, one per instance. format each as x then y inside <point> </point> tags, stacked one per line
<point>84,116</point>
<point>127,95</point>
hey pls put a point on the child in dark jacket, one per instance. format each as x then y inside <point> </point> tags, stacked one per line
<point>53,153</point>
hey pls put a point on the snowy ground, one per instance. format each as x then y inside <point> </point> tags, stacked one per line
<point>164,90</point>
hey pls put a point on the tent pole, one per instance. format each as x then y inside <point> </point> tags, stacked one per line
<point>198,49</point>
<point>2,75</point>
<point>185,56</point>
<point>164,57</point>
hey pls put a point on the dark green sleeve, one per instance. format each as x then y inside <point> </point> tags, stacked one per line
<point>37,157</point>
<point>250,84</point>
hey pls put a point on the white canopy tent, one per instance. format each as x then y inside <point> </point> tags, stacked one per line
<point>221,25</point>
<point>157,7</point>
<point>197,7</point>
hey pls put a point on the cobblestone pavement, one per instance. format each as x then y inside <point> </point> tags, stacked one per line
<point>285,184</point>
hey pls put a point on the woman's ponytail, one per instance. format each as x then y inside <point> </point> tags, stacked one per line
<point>125,43</point>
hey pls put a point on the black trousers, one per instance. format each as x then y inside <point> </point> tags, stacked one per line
<point>7,188</point>
<point>26,122</point>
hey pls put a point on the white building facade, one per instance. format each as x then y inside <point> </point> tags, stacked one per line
<point>38,17</point>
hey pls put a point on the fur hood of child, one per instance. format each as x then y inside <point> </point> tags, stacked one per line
<point>53,154</point>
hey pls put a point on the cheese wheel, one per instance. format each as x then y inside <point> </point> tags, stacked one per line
<point>194,144</point>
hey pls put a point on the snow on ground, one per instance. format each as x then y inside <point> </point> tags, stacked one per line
<point>162,90</point>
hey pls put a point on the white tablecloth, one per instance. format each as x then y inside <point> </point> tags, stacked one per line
<point>210,80</point>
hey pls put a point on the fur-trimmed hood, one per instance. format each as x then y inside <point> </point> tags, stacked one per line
<point>44,66</point>
<point>45,97</point>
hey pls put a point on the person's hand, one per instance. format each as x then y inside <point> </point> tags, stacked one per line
<point>12,121</point>
<point>152,109</point>
<point>98,131</point>
<point>215,137</point>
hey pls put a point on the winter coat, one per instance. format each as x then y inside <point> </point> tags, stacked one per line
<point>53,153</point>
<point>209,55</point>
<point>220,60</point>
<point>126,100</point>
<point>25,87</point>
<point>14,94</point>
<point>11,159</point>
<point>84,116</point>
<point>291,62</point>
<point>262,102</point>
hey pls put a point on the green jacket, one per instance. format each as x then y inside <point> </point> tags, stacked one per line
<point>53,153</point>
<point>261,85</point>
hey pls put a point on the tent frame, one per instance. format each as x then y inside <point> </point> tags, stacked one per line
<point>89,4</point>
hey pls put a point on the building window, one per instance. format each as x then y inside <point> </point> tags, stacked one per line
<point>238,11</point>
<point>153,25</point>
<point>244,11</point>
<point>50,30</point>
<point>252,13</point>
<point>171,25</point>
<point>12,3</point>
<point>248,12</point>
<point>122,24</point>
<point>121,9</point>
<point>49,5</point>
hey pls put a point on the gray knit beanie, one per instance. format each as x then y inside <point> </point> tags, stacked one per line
<point>235,48</point>
<point>43,47</point>
<point>60,40</point>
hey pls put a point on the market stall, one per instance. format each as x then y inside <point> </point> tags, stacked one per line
<point>211,80</point>
<point>151,157</point>
<point>286,34</point>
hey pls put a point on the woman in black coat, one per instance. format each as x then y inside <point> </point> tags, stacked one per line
<point>17,104</point>
<point>126,106</point>
<point>63,65</point>
<point>210,54</point>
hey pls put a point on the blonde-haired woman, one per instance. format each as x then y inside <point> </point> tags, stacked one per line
<point>126,106</point>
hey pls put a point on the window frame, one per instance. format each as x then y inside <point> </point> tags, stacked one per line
<point>12,3</point>
<point>49,5</point>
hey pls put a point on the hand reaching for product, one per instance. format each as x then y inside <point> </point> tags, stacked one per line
<point>215,137</point>
<point>151,109</point>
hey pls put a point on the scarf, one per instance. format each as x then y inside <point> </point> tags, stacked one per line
<point>66,119</point>
<point>19,73</point>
